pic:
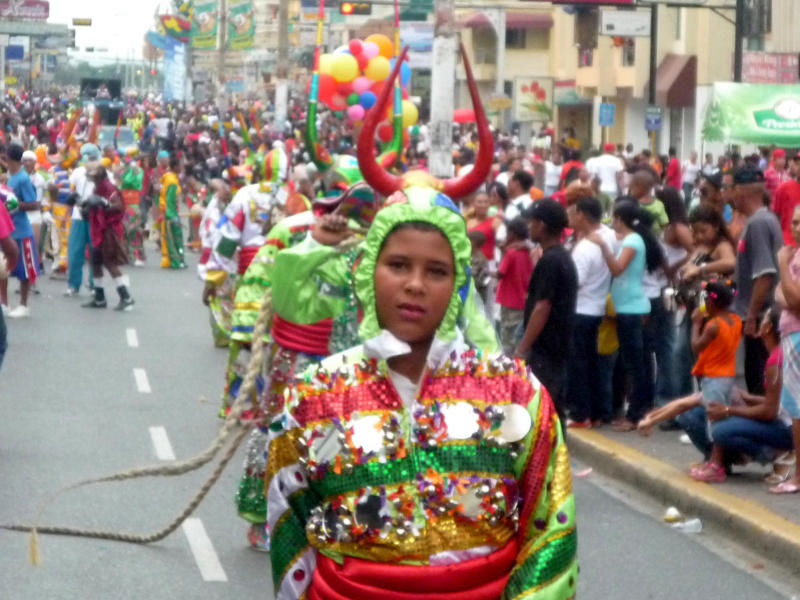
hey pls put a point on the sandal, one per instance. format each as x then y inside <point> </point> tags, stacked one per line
<point>787,487</point>
<point>709,473</point>
<point>781,468</point>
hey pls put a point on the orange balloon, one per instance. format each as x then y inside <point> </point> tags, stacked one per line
<point>385,46</point>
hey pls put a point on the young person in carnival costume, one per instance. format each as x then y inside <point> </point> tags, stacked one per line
<point>130,187</point>
<point>172,252</point>
<point>414,466</point>
<point>220,305</point>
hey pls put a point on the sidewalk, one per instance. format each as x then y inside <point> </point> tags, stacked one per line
<point>657,465</point>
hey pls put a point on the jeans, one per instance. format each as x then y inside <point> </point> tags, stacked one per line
<point>755,359</point>
<point>756,439</point>
<point>737,436</point>
<point>695,424</point>
<point>659,343</point>
<point>687,193</point>
<point>630,332</point>
<point>682,359</point>
<point>584,396</point>
<point>3,338</point>
<point>605,386</point>
<point>76,252</point>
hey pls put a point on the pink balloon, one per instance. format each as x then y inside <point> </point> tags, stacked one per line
<point>355,47</point>
<point>370,49</point>
<point>356,112</point>
<point>361,84</point>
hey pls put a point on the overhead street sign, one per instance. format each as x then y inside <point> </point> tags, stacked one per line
<point>606,114</point>
<point>625,23</point>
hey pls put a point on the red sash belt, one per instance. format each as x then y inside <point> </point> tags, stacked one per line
<point>482,578</point>
<point>246,254</point>
<point>311,339</point>
<point>205,255</point>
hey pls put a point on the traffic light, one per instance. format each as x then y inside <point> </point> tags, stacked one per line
<point>355,8</point>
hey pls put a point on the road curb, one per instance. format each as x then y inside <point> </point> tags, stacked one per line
<point>747,522</point>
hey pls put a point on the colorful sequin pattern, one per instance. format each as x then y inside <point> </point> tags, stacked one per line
<point>477,460</point>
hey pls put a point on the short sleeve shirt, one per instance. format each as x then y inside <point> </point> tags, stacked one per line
<point>659,214</point>
<point>555,279</point>
<point>757,256</point>
<point>25,192</point>
<point>627,292</point>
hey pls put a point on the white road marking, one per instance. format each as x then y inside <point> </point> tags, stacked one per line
<point>142,383</point>
<point>133,339</point>
<point>204,554</point>
<point>158,435</point>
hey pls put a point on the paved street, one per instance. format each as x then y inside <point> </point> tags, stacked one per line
<point>86,393</point>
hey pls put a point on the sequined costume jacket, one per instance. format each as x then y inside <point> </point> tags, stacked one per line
<point>243,227</point>
<point>475,462</point>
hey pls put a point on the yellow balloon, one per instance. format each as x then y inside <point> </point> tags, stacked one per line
<point>385,46</point>
<point>344,68</point>
<point>410,114</point>
<point>326,63</point>
<point>378,68</point>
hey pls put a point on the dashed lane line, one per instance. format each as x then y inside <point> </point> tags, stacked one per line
<point>205,557</point>
<point>142,383</point>
<point>133,339</point>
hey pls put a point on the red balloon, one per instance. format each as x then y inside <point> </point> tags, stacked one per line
<point>385,132</point>
<point>362,61</point>
<point>355,47</point>
<point>344,88</point>
<point>327,86</point>
<point>463,115</point>
<point>376,88</point>
<point>405,94</point>
<point>337,102</point>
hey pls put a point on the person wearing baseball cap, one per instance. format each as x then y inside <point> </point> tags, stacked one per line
<point>549,312</point>
<point>777,173</point>
<point>608,168</point>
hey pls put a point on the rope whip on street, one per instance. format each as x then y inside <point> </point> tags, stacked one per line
<point>232,421</point>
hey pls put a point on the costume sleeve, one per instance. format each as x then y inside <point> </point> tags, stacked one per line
<point>289,504</point>
<point>228,237</point>
<point>547,564</point>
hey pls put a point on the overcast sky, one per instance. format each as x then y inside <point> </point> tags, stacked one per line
<point>118,25</point>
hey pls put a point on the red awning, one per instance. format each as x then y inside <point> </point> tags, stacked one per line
<point>514,20</point>
<point>676,81</point>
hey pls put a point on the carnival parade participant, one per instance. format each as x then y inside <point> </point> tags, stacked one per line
<point>220,305</point>
<point>61,209</point>
<point>106,214</point>
<point>172,253</point>
<point>79,244</point>
<point>131,190</point>
<point>414,451</point>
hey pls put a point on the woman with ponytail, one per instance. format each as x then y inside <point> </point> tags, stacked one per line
<point>638,250</point>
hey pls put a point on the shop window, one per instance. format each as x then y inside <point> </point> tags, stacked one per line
<point>515,39</point>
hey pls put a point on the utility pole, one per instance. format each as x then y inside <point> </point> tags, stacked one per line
<point>443,89</point>
<point>738,40</point>
<point>651,86</point>
<point>282,83</point>
<point>223,42</point>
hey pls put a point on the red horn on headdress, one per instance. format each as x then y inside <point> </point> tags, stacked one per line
<point>460,187</point>
<point>381,181</point>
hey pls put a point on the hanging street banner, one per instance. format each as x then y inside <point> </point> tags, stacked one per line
<point>756,113</point>
<point>205,25</point>
<point>174,72</point>
<point>533,99</point>
<point>25,9</point>
<point>241,25</point>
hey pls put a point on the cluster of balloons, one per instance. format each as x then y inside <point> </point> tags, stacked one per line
<point>352,77</point>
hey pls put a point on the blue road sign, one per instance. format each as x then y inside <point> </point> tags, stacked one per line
<point>606,116</point>
<point>653,118</point>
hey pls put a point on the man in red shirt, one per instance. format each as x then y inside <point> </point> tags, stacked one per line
<point>514,274</point>
<point>8,260</point>
<point>777,173</point>
<point>674,170</point>
<point>787,196</point>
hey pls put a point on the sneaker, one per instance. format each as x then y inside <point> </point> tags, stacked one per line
<point>125,304</point>
<point>95,304</point>
<point>21,312</point>
<point>71,292</point>
<point>138,263</point>
<point>709,472</point>
<point>585,424</point>
<point>258,536</point>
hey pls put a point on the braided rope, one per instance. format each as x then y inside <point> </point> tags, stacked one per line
<point>178,467</point>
